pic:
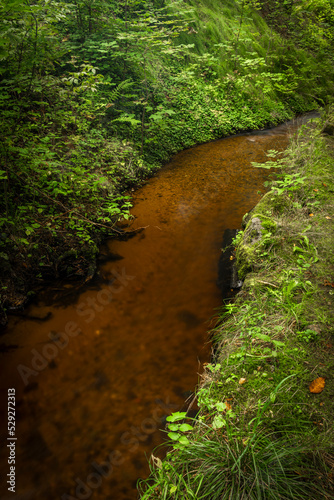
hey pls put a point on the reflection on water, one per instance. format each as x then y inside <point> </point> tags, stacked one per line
<point>96,379</point>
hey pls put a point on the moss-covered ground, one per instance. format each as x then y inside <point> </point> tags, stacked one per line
<point>265,425</point>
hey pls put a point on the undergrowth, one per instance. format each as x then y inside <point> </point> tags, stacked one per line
<point>265,425</point>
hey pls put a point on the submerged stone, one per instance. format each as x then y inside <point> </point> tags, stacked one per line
<point>228,278</point>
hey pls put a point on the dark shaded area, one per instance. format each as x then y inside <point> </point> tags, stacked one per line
<point>329,129</point>
<point>188,318</point>
<point>36,448</point>
<point>24,314</point>
<point>7,347</point>
<point>228,280</point>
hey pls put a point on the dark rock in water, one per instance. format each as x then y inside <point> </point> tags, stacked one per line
<point>189,318</point>
<point>8,347</point>
<point>100,380</point>
<point>138,464</point>
<point>228,280</point>
<point>27,317</point>
<point>36,448</point>
<point>103,258</point>
<point>31,387</point>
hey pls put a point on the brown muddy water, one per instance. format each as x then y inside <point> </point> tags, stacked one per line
<point>96,379</point>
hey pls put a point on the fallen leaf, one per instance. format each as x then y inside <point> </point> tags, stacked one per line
<point>242,381</point>
<point>317,385</point>
<point>228,406</point>
<point>327,217</point>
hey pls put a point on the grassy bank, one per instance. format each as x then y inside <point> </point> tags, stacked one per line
<point>265,426</point>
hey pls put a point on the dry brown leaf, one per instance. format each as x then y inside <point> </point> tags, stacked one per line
<point>317,385</point>
<point>242,381</point>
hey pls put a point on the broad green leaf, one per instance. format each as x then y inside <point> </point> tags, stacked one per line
<point>176,416</point>
<point>174,436</point>
<point>263,337</point>
<point>220,406</point>
<point>173,427</point>
<point>278,343</point>
<point>218,422</point>
<point>185,427</point>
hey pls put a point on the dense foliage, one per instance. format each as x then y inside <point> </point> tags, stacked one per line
<point>96,94</point>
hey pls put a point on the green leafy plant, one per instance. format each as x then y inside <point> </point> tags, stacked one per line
<point>307,335</point>
<point>276,163</point>
<point>177,430</point>
<point>238,237</point>
<point>291,182</point>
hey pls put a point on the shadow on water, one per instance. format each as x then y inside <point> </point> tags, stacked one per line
<point>96,379</point>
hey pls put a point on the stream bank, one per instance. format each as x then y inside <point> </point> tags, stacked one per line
<point>265,427</point>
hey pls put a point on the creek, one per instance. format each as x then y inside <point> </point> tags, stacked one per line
<point>96,378</point>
